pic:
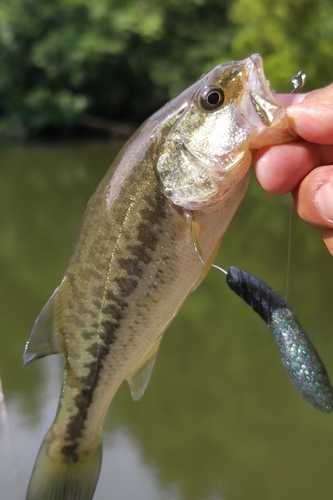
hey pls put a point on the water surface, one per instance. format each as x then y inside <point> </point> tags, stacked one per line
<point>219,419</point>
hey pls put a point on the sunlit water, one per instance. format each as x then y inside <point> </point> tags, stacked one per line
<point>219,420</point>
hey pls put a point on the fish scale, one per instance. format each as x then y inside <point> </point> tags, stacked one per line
<point>149,236</point>
<point>116,315</point>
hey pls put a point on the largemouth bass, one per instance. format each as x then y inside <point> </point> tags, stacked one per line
<point>148,238</point>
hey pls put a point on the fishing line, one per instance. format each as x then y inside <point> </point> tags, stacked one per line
<point>9,449</point>
<point>220,269</point>
<point>298,82</point>
<point>288,250</point>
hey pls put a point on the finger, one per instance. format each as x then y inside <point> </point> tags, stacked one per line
<point>314,198</point>
<point>311,119</point>
<point>285,100</point>
<point>327,235</point>
<point>281,168</point>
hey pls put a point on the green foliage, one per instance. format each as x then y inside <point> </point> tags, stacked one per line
<point>219,418</point>
<point>290,35</point>
<point>62,60</point>
<point>119,60</point>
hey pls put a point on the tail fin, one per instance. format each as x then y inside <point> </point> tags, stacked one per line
<point>64,480</point>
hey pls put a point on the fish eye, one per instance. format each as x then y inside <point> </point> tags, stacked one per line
<point>212,99</point>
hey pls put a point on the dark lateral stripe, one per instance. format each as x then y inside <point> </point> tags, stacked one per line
<point>141,254</point>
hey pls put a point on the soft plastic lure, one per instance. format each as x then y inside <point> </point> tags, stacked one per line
<point>299,357</point>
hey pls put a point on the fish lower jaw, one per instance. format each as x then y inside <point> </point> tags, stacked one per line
<point>271,136</point>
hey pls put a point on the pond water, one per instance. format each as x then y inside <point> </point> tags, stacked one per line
<point>219,419</point>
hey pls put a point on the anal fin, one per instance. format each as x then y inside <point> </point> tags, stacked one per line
<point>138,380</point>
<point>44,338</point>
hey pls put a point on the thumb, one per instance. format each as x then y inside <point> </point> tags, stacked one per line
<point>312,118</point>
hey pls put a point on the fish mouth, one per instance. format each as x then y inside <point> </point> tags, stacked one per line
<point>268,121</point>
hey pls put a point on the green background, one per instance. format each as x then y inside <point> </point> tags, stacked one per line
<point>65,63</point>
<point>219,419</point>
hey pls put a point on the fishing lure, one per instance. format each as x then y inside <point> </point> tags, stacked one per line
<point>299,357</point>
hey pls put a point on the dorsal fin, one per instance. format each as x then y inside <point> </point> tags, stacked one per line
<point>138,381</point>
<point>44,338</point>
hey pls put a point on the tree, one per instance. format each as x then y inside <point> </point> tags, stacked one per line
<point>290,35</point>
<point>63,59</point>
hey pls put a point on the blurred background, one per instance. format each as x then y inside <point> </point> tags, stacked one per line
<point>219,419</point>
<point>102,63</point>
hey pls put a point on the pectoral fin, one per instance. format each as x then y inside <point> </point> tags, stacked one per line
<point>138,381</point>
<point>194,227</point>
<point>44,338</point>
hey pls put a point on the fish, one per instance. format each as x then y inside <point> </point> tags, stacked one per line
<point>148,237</point>
<point>301,361</point>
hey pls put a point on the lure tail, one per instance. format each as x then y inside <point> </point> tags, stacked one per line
<point>64,478</point>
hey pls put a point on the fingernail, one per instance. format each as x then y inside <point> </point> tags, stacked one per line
<point>324,200</point>
<point>289,99</point>
<point>298,99</point>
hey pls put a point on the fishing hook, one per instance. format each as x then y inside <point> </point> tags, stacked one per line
<point>298,82</point>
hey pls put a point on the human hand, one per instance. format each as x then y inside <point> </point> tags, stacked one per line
<point>304,168</point>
